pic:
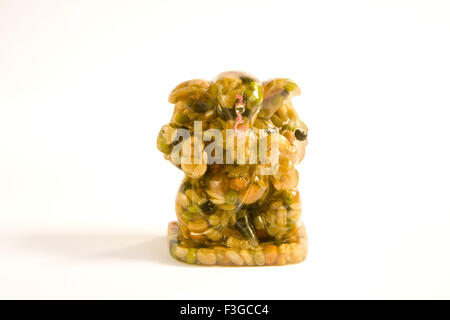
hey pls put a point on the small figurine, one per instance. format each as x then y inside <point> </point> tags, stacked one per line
<point>237,140</point>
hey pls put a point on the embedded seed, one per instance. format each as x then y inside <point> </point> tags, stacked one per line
<point>231,196</point>
<point>184,230</point>
<point>297,252</point>
<point>270,217</point>
<point>276,205</point>
<point>292,230</point>
<point>283,248</point>
<point>181,118</point>
<point>186,216</point>
<point>281,260</point>
<point>192,195</point>
<point>282,113</point>
<point>191,256</point>
<point>238,183</point>
<point>244,244</point>
<point>226,207</point>
<point>224,220</point>
<point>200,107</point>
<point>233,242</point>
<point>291,86</point>
<point>300,135</point>
<point>206,256</point>
<point>181,252</point>
<point>296,206</point>
<point>223,259</point>
<point>272,230</point>
<point>289,126</point>
<point>172,250</point>
<point>281,218</point>
<point>196,236</point>
<point>289,135</point>
<point>260,124</point>
<point>277,100</point>
<point>210,114</point>
<point>192,208</point>
<point>259,257</point>
<point>270,253</point>
<point>162,145</point>
<point>233,219</point>
<point>235,257</point>
<point>253,194</point>
<point>258,222</point>
<point>214,220</point>
<point>289,196</point>
<point>248,259</point>
<point>207,206</point>
<point>198,226</point>
<point>294,215</point>
<point>285,251</point>
<point>292,114</point>
<point>182,200</point>
<point>261,233</point>
<point>213,234</point>
<point>221,256</point>
<point>277,121</point>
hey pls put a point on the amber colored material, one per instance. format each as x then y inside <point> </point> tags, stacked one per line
<point>234,213</point>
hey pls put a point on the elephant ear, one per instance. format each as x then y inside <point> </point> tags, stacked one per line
<point>276,92</point>
<point>193,102</point>
<point>189,90</point>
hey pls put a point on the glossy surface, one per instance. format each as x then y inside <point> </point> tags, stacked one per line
<point>234,214</point>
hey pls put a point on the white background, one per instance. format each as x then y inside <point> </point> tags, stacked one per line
<point>85,196</point>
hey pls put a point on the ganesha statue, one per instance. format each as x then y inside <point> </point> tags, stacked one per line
<point>237,140</point>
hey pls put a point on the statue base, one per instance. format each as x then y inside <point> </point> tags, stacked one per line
<point>266,254</point>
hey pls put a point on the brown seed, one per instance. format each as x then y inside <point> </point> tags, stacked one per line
<point>261,233</point>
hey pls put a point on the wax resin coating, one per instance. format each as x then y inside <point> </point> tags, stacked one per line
<point>236,212</point>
